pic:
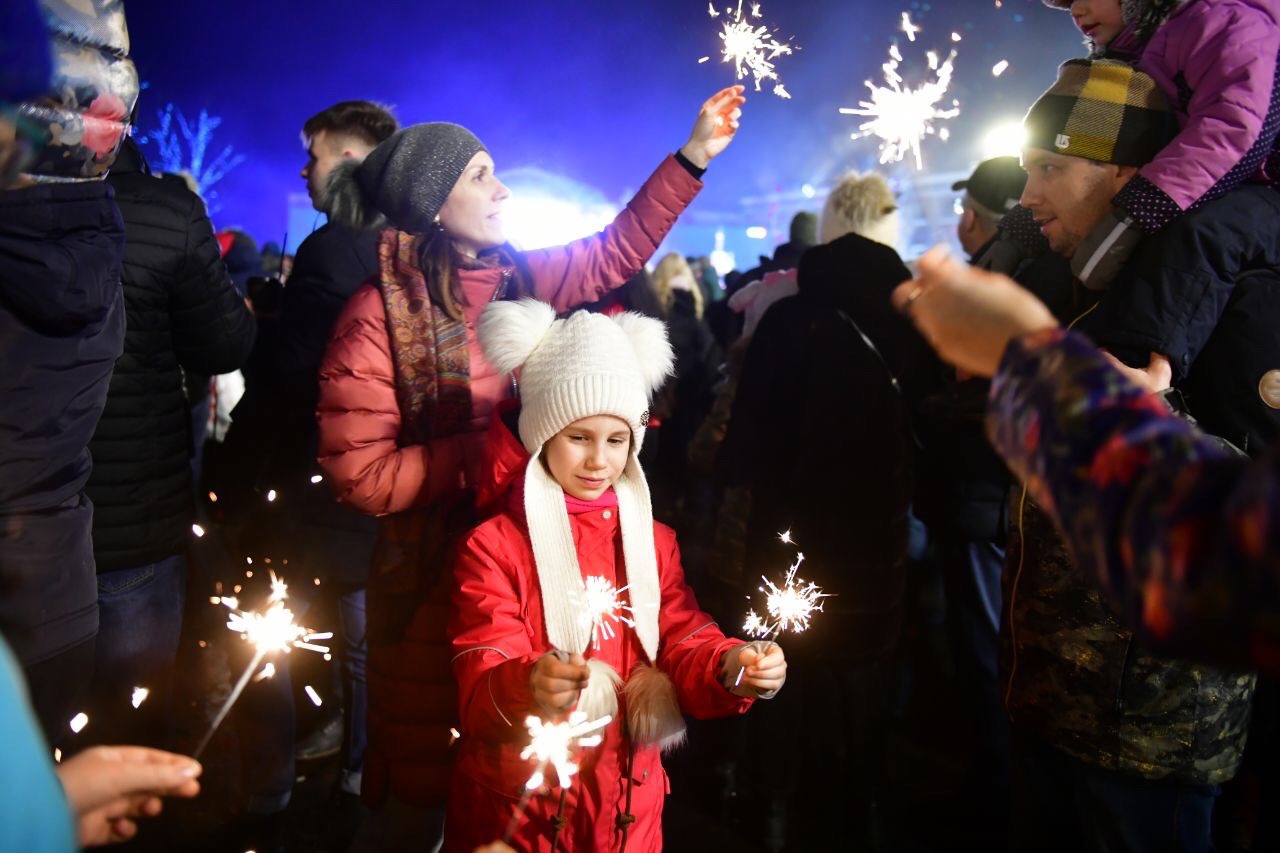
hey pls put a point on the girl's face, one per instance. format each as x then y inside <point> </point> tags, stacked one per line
<point>588,455</point>
<point>1099,20</point>
<point>472,214</point>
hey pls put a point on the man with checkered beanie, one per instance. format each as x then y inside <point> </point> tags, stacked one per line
<point>1114,748</point>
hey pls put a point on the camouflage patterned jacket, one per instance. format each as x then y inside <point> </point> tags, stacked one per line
<point>1072,672</point>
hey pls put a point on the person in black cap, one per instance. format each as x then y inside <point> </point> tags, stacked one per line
<point>989,193</point>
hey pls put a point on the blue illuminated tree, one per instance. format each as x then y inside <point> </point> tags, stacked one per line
<point>183,146</point>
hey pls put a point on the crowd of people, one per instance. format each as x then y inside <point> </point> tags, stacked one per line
<point>523,489</point>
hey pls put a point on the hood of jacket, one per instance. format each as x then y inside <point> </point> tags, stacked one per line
<point>61,251</point>
<point>851,273</point>
<point>505,459</point>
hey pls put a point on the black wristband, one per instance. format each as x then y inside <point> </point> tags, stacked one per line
<point>689,167</point>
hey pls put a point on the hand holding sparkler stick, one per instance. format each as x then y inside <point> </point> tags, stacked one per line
<point>790,607</point>
<point>715,126</point>
<point>557,680</point>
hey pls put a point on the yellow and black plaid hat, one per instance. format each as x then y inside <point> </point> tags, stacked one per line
<point>1101,110</point>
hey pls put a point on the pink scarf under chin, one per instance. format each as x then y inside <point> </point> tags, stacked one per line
<point>578,505</point>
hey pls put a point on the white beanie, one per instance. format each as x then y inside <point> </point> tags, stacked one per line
<point>580,367</point>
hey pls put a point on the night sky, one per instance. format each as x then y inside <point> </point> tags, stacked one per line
<point>596,91</point>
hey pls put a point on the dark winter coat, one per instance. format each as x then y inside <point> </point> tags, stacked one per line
<point>1204,293</point>
<point>822,436</point>
<point>183,314</point>
<point>272,443</point>
<point>61,330</point>
<point>688,395</point>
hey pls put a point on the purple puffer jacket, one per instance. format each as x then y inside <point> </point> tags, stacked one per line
<point>1216,60</point>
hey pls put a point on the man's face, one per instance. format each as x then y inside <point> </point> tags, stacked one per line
<point>323,154</point>
<point>1068,196</point>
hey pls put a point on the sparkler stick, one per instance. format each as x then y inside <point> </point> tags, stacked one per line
<point>270,631</point>
<point>790,607</point>
<point>551,744</point>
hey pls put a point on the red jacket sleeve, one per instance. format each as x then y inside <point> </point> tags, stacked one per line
<point>692,646</point>
<point>359,420</point>
<point>492,655</point>
<point>585,270</point>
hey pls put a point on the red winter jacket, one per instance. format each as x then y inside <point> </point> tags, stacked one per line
<point>411,699</point>
<point>497,633</point>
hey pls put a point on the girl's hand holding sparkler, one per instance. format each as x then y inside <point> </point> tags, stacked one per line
<point>763,667</point>
<point>715,126</point>
<point>557,683</point>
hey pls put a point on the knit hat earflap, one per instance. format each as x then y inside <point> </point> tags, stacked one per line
<point>1101,110</point>
<point>580,367</point>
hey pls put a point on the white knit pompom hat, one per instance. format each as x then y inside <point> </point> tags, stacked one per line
<point>580,367</point>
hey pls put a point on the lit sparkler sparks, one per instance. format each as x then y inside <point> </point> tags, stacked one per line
<point>790,607</point>
<point>750,46</point>
<point>909,28</point>
<point>78,722</point>
<point>270,632</point>
<point>140,695</point>
<point>902,115</point>
<point>602,606</point>
<point>551,744</point>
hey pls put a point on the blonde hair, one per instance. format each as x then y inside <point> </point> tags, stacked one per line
<point>864,205</point>
<point>671,267</point>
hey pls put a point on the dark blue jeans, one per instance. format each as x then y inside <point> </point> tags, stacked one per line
<point>139,623</point>
<point>355,710</point>
<point>1062,804</point>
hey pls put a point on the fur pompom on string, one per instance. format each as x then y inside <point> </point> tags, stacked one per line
<point>509,332</point>
<point>653,711</point>
<point>600,698</point>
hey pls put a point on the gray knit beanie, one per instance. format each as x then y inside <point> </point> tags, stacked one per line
<point>405,180</point>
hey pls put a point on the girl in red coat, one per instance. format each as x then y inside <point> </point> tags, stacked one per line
<point>574,515</point>
<point>405,397</point>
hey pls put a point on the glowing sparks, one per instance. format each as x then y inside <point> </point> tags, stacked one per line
<point>279,589</point>
<point>313,695</point>
<point>553,744</point>
<point>268,671</point>
<point>316,478</point>
<point>57,755</point>
<point>751,47</point>
<point>197,530</point>
<point>454,736</point>
<point>213,497</point>
<point>602,606</point>
<point>140,695</point>
<point>909,28</point>
<point>999,68</point>
<point>789,607</point>
<point>271,495</point>
<point>901,116</point>
<point>955,37</point>
<point>79,721</point>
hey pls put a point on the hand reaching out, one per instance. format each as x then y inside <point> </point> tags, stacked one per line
<point>715,126</point>
<point>110,787</point>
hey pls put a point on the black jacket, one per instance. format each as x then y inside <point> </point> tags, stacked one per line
<point>183,314</point>
<point>272,440</point>
<point>61,329</point>
<point>1205,291</point>
<point>823,438</point>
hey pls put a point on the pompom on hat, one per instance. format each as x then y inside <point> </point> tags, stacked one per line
<point>568,369</point>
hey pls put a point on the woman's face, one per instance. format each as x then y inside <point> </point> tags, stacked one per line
<point>588,455</point>
<point>472,214</point>
<point>1099,20</point>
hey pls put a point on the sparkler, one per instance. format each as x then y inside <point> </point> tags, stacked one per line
<point>902,115</point>
<point>270,632</point>
<point>552,744</point>
<point>750,46</point>
<point>602,604</point>
<point>140,695</point>
<point>790,607</point>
